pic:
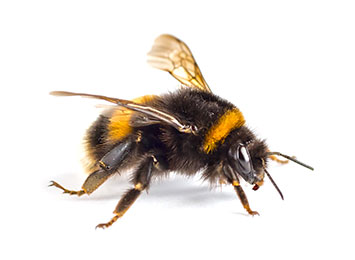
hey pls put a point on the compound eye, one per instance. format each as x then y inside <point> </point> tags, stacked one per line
<point>244,159</point>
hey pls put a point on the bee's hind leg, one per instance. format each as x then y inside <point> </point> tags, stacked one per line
<point>108,165</point>
<point>141,181</point>
<point>70,192</point>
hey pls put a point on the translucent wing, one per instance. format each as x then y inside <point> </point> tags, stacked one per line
<point>171,54</point>
<point>152,114</point>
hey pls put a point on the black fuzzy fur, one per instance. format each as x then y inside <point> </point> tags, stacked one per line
<point>176,151</point>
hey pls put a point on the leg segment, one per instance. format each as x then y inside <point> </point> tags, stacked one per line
<point>70,192</point>
<point>124,204</point>
<point>243,199</point>
<point>233,179</point>
<point>109,164</point>
<point>92,182</point>
<point>141,180</point>
<point>114,158</point>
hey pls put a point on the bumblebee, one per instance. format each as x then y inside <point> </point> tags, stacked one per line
<point>188,131</point>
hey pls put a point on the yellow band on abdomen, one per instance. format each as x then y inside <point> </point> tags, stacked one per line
<point>119,126</point>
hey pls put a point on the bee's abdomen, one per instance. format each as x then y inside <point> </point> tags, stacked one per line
<point>95,141</point>
<point>97,133</point>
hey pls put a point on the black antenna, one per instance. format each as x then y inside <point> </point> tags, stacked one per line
<point>291,159</point>
<point>273,182</point>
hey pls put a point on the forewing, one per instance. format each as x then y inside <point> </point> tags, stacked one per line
<point>152,115</point>
<point>171,54</point>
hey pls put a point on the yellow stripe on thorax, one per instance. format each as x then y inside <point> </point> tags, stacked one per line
<point>119,126</point>
<point>229,121</point>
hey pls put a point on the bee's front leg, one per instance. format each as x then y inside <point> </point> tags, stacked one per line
<point>233,179</point>
<point>243,198</point>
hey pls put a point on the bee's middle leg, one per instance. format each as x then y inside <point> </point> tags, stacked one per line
<point>142,178</point>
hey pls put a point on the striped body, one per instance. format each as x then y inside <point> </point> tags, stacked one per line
<point>217,119</point>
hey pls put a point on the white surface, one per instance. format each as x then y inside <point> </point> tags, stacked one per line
<point>288,66</point>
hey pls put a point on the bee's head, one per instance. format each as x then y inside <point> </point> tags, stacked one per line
<point>249,161</point>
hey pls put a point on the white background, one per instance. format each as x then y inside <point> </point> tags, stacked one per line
<point>288,65</point>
